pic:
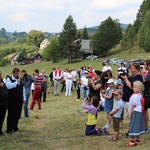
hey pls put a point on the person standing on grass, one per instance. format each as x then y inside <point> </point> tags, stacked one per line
<point>147,94</point>
<point>84,85</point>
<point>16,97</point>
<point>64,74</point>
<point>95,84</point>
<point>106,67</point>
<point>27,81</point>
<point>109,97</point>
<point>116,113</point>
<point>44,85</point>
<point>3,102</point>
<point>37,90</point>
<point>128,84</point>
<point>136,126</point>
<point>69,77</point>
<point>57,75</point>
<point>74,73</point>
<point>51,80</point>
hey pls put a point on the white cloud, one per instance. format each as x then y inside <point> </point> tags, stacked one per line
<point>19,17</point>
<point>51,14</point>
<point>113,4</point>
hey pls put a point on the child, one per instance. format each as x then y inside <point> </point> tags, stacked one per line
<point>92,118</point>
<point>102,91</point>
<point>109,100</point>
<point>116,113</point>
<point>120,86</point>
<point>136,126</point>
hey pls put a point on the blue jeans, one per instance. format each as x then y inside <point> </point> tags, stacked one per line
<point>25,106</point>
<point>85,92</point>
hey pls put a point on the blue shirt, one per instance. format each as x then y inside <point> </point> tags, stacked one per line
<point>27,84</point>
<point>118,105</point>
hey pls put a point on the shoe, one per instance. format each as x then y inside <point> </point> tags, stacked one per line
<point>48,92</point>
<point>138,142</point>
<point>77,99</point>
<point>44,100</point>
<point>112,140</point>
<point>16,129</point>
<point>9,132</point>
<point>106,131</point>
<point>99,132</point>
<point>79,111</point>
<point>131,143</point>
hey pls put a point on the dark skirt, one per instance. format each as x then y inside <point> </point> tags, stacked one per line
<point>136,127</point>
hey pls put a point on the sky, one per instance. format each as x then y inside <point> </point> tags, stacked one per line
<point>50,15</point>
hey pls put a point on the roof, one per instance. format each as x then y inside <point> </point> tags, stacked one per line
<point>35,55</point>
<point>86,46</point>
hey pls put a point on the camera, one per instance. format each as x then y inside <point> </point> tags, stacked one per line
<point>25,75</point>
<point>122,72</point>
<point>88,77</point>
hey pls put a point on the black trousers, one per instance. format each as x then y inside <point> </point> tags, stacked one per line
<point>78,92</point>
<point>75,84</point>
<point>43,93</point>
<point>2,114</point>
<point>63,86</point>
<point>14,113</point>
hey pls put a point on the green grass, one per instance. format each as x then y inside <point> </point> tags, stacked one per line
<point>58,126</point>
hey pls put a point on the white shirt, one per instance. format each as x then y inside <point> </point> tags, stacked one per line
<point>122,68</point>
<point>74,73</point>
<point>32,86</point>
<point>69,76</point>
<point>135,100</point>
<point>84,80</point>
<point>64,75</point>
<point>105,68</point>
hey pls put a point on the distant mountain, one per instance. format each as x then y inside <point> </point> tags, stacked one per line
<point>93,29</point>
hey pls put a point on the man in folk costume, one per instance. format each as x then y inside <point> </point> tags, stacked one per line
<point>57,75</point>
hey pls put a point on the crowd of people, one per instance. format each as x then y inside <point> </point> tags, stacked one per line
<point>98,90</point>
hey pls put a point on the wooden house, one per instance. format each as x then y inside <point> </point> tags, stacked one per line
<point>36,58</point>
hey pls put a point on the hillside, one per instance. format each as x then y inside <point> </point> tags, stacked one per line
<point>92,30</point>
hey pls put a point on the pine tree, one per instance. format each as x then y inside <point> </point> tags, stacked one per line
<point>85,33</point>
<point>67,38</point>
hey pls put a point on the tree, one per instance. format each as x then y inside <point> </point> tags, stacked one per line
<point>108,35</point>
<point>143,29</point>
<point>147,41</point>
<point>52,50</point>
<point>22,56</point>
<point>3,33</point>
<point>67,38</point>
<point>128,37</point>
<point>78,36</point>
<point>85,33</point>
<point>35,37</point>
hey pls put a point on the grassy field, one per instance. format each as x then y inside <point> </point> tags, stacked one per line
<point>58,126</point>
